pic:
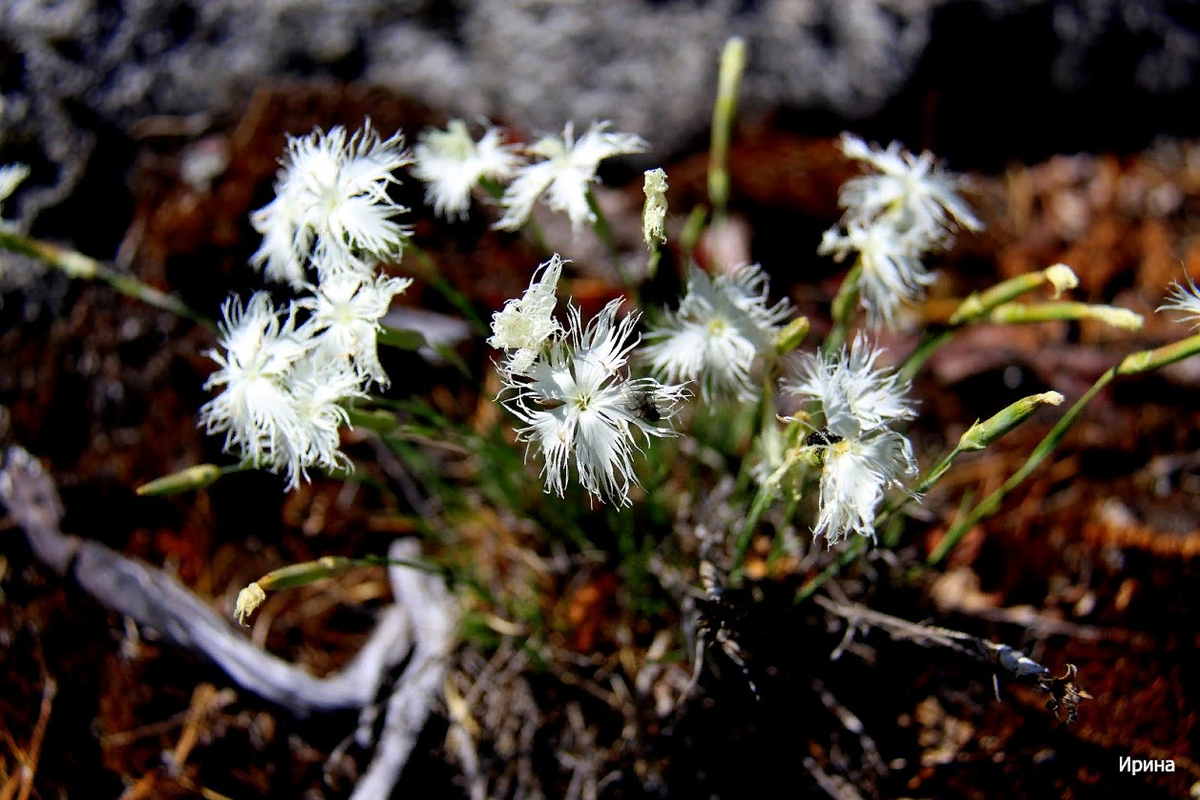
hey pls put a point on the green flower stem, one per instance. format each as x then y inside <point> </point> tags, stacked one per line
<point>762,501</point>
<point>929,344</point>
<point>991,504</point>
<point>426,269</point>
<point>980,304</point>
<point>1159,357</point>
<point>849,554</point>
<point>77,265</point>
<point>732,65</point>
<point>1021,313</point>
<point>605,232</point>
<point>194,477</point>
<point>1132,364</point>
<point>842,310</point>
<point>689,237</point>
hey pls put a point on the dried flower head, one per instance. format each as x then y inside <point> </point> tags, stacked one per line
<point>565,173</point>
<point>526,325</point>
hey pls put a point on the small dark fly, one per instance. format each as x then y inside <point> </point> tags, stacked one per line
<point>823,437</point>
<point>643,406</point>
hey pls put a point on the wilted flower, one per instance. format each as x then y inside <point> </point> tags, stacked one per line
<point>331,195</point>
<point>451,163</point>
<point>913,193</point>
<point>526,324</point>
<point>1184,298</point>
<point>576,402</point>
<point>565,174</point>
<point>722,325</point>
<point>863,457</point>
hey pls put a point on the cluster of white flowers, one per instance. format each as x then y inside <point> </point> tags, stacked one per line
<point>285,374</point>
<point>894,216</point>
<point>331,207</point>
<point>722,326</point>
<point>862,455</point>
<point>570,387</point>
<point>565,174</point>
<point>452,164</point>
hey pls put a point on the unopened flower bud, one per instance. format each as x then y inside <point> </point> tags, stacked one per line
<point>248,600</point>
<point>792,334</point>
<point>654,212</point>
<point>195,477</point>
<point>981,434</point>
<point>1061,277</point>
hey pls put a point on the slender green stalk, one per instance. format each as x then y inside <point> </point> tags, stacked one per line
<point>689,237</point>
<point>1159,357</point>
<point>194,477</point>
<point>77,265</point>
<point>1134,363</point>
<point>605,232</point>
<point>849,554</point>
<point>991,504</point>
<point>428,272</point>
<point>733,63</point>
<point>842,310</point>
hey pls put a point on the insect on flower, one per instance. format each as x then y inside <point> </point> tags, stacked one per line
<point>822,437</point>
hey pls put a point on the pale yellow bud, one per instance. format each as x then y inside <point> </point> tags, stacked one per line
<point>1117,317</point>
<point>248,600</point>
<point>1062,278</point>
<point>654,212</point>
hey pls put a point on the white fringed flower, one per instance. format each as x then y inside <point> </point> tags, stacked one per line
<point>318,384</point>
<point>255,409</point>
<point>346,310</point>
<point>722,325</point>
<point>914,193</point>
<point>892,272</point>
<point>451,163</point>
<point>863,456</point>
<point>576,403</point>
<point>11,176</point>
<point>1186,299</point>
<point>565,174</point>
<point>280,407</point>
<point>526,324</point>
<point>855,476</point>
<point>331,201</point>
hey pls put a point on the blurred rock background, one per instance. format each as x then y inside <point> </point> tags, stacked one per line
<point>983,80</point>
